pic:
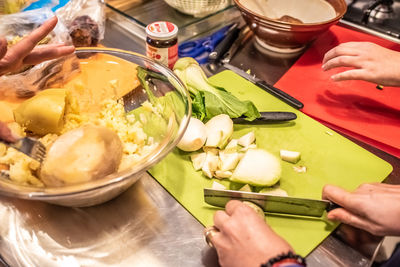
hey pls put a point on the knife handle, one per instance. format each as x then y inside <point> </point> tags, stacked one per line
<point>332,206</point>
<point>280,94</point>
<point>223,46</point>
<point>268,117</point>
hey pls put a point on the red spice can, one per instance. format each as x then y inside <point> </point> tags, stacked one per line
<point>162,42</point>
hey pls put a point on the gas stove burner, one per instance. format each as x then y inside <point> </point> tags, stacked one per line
<point>380,17</point>
<point>378,12</point>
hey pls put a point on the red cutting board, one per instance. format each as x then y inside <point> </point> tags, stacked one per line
<point>355,108</point>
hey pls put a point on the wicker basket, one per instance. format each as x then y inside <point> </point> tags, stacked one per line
<point>198,8</point>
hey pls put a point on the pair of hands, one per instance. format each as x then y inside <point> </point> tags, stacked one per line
<point>26,52</point>
<point>244,239</point>
<point>364,61</point>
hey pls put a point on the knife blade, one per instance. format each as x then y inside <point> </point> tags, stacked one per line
<point>266,87</point>
<point>271,203</point>
<point>268,117</point>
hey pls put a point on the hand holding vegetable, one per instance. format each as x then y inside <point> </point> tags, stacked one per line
<point>372,207</point>
<point>244,239</point>
<point>26,52</point>
<point>368,61</point>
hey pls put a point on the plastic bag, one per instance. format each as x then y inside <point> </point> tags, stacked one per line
<point>85,20</point>
<point>28,81</point>
<point>18,25</point>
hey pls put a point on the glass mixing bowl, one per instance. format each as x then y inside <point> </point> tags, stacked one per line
<point>171,122</point>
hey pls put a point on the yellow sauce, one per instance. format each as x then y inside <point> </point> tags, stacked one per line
<point>101,77</point>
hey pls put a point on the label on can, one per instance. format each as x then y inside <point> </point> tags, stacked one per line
<point>166,56</point>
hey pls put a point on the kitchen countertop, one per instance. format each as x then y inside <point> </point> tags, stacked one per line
<point>146,226</point>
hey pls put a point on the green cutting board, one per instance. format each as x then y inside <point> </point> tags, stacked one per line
<point>329,158</point>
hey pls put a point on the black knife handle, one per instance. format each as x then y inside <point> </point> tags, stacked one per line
<point>268,117</point>
<point>280,94</point>
<point>332,206</point>
<point>223,46</point>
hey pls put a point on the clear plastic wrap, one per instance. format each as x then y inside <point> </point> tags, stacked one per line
<point>18,25</point>
<point>28,81</point>
<point>85,20</point>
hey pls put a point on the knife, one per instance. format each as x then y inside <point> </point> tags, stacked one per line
<point>265,86</point>
<point>271,203</point>
<point>268,117</point>
<point>224,45</point>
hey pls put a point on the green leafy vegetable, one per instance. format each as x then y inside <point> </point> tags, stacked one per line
<point>209,100</point>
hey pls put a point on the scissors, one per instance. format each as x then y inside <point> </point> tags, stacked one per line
<point>199,49</point>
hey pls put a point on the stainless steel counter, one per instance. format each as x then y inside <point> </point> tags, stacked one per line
<point>145,226</point>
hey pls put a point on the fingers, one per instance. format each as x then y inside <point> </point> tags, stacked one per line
<point>341,61</point>
<point>47,52</point>
<point>345,49</point>
<point>354,74</point>
<point>220,218</point>
<point>23,47</point>
<point>347,217</point>
<point>232,205</point>
<point>341,197</point>
<point>3,47</point>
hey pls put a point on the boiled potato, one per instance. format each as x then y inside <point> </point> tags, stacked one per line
<point>43,113</point>
<point>81,155</point>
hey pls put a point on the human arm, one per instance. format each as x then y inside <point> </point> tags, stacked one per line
<point>372,207</point>
<point>244,239</point>
<point>25,52</point>
<point>367,61</point>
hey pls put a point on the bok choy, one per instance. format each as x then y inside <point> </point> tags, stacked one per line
<point>209,100</point>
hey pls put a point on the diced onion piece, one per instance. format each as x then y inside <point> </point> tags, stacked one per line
<point>247,139</point>
<point>216,185</point>
<point>228,161</point>
<point>290,156</point>
<point>232,146</point>
<point>222,174</point>
<point>219,130</point>
<point>300,169</point>
<point>212,150</point>
<point>210,164</point>
<point>276,191</point>
<point>257,167</point>
<point>251,146</point>
<point>198,160</point>
<point>245,188</point>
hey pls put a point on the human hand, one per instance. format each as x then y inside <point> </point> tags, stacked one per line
<point>25,52</point>
<point>368,61</point>
<point>244,239</point>
<point>372,207</point>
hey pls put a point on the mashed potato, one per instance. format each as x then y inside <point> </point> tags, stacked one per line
<point>136,143</point>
